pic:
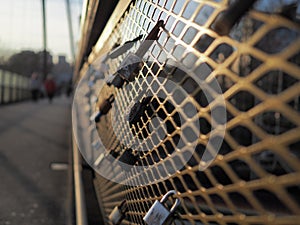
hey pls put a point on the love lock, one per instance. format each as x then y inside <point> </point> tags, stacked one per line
<point>118,213</point>
<point>137,110</point>
<point>133,62</point>
<point>115,80</point>
<point>148,107</point>
<point>128,157</point>
<point>123,48</point>
<point>127,71</point>
<point>158,214</point>
<point>104,108</point>
<point>130,67</point>
<point>228,18</point>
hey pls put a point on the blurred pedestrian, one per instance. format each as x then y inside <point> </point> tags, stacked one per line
<point>50,87</point>
<point>35,86</point>
<point>69,88</point>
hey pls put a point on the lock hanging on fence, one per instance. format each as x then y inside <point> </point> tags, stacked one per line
<point>128,157</point>
<point>104,107</point>
<point>118,213</point>
<point>132,63</point>
<point>124,48</point>
<point>227,19</point>
<point>158,214</point>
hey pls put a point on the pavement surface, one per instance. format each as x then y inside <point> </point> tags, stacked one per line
<point>32,136</point>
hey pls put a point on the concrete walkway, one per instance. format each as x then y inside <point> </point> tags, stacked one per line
<point>32,136</point>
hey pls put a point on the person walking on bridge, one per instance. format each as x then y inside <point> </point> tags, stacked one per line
<point>50,88</point>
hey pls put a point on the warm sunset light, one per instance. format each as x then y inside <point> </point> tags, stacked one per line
<point>21,26</point>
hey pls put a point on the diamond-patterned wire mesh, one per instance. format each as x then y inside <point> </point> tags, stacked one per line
<point>255,177</point>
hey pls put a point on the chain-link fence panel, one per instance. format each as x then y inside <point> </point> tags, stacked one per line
<point>253,177</point>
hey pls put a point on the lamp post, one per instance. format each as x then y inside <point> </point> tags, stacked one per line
<point>44,40</point>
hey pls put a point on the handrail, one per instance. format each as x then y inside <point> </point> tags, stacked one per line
<point>13,87</point>
<point>80,207</point>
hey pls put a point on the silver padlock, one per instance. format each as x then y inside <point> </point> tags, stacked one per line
<point>158,214</point>
<point>118,213</point>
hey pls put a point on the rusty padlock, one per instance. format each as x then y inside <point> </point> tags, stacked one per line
<point>158,214</point>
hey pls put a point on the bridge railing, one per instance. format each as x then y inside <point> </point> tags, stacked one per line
<point>254,178</point>
<point>13,87</point>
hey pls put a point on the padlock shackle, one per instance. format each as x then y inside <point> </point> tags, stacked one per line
<point>165,198</point>
<point>168,194</point>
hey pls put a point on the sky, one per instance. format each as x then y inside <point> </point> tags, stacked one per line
<point>21,26</point>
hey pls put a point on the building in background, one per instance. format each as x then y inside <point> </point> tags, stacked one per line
<point>62,73</point>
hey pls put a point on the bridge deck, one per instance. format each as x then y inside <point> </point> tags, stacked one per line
<point>32,136</point>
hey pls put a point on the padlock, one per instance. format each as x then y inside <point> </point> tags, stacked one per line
<point>130,67</point>
<point>132,63</point>
<point>124,48</point>
<point>137,110</point>
<point>127,71</point>
<point>98,116</point>
<point>147,108</point>
<point>115,80</point>
<point>137,113</point>
<point>128,157</point>
<point>227,19</point>
<point>118,213</point>
<point>158,214</point>
<point>104,107</point>
<point>113,151</point>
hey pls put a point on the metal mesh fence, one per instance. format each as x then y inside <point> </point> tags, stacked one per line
<point>254,179</point>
